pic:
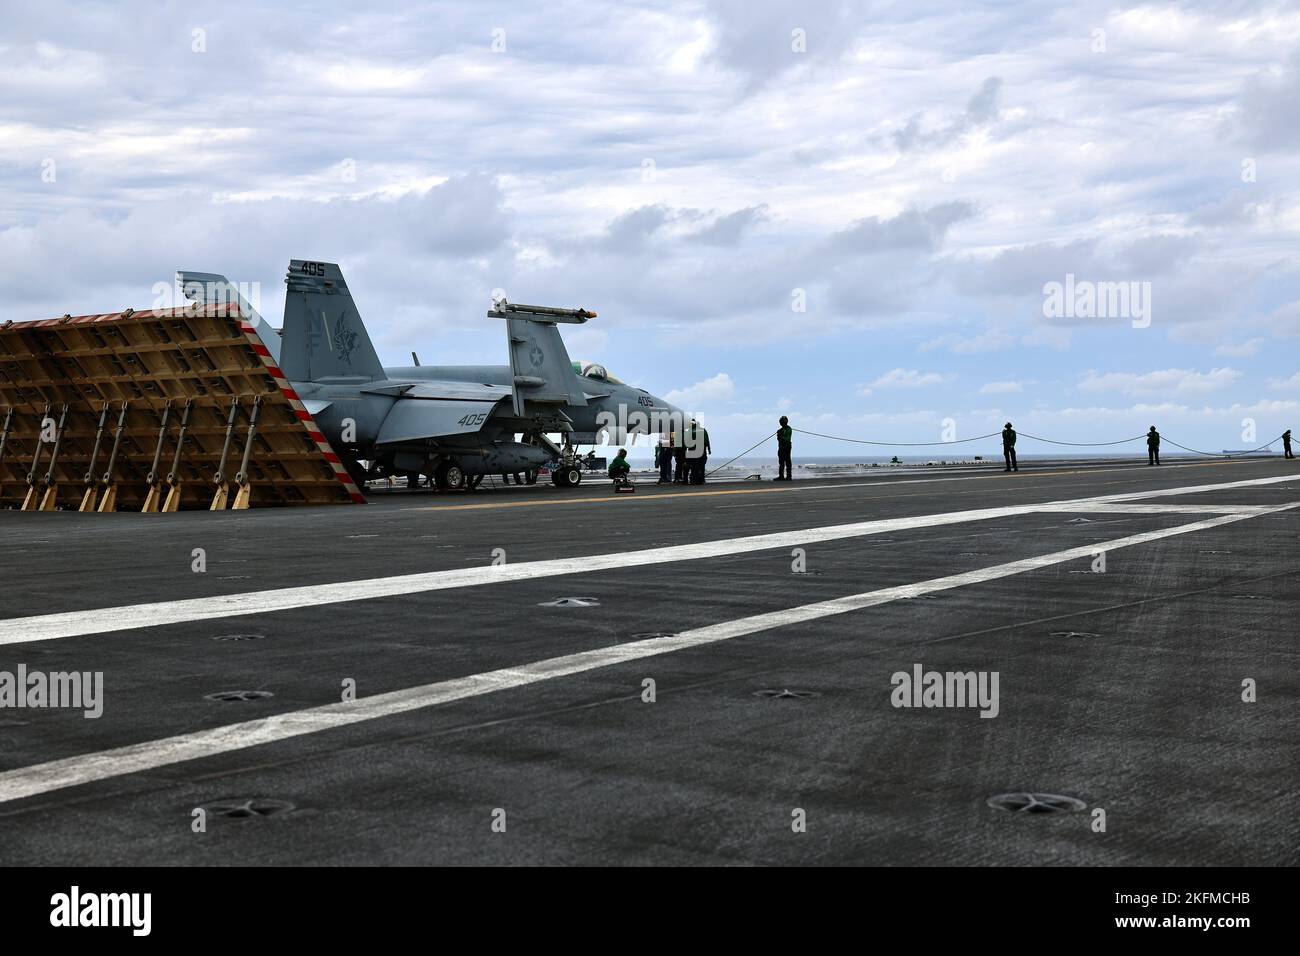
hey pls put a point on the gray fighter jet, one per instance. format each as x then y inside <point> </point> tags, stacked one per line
<point>456,423</point>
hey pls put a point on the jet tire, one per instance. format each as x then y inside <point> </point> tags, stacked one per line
<point>450,476</point>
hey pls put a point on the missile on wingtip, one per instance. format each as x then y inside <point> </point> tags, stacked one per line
<point>504,309</point>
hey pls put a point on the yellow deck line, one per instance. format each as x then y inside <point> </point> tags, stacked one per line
<point>676,496</point>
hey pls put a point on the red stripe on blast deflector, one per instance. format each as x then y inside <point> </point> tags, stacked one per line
<point>305,416</point>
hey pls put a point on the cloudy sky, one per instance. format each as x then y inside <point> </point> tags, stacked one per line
<point>846,212</point>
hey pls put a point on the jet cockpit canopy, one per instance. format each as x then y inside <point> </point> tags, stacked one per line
<point>596,371</point>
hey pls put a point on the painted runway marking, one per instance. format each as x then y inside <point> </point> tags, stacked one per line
<point>1194,489</point>
<point>1159,508</point>
<point>24,782</point>
<point>46,627</point>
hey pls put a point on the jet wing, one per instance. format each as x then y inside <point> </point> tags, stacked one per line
<point>427,411</point>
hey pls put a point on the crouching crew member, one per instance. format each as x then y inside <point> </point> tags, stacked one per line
<point>619,467</point>
<point>784,439</point>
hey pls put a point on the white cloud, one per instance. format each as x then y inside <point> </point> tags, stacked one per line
<point>1285,320</point>
<point>1292,382</point>
<point>1246,349</point>
<point>586,343</point>
<point>1050,336</point>
<point>930,218</point>
<point>1170,381</point>
<point>718,388</point>
<point>1001,388</point>
<point>904,378</point>
<point>991,340</point>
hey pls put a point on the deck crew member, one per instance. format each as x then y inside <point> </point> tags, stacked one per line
<point>664,458</point>
<point>619,467</point>
<point>697,451</point>
<point>1009,448</point>
<point>784,438</point>
<point>679,459</point>
<point>1286,444</point>
<point>1153,446</point>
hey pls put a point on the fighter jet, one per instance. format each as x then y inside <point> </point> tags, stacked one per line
<point>456,423</point>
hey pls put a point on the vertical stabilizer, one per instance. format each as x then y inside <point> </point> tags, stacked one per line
<point>209,288</point>
<point>324,339</point>
<point>540,367</point>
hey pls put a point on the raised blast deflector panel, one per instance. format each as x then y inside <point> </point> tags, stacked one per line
<point>179,374</point>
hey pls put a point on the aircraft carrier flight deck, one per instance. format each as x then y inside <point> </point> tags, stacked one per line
<point>685,675</point>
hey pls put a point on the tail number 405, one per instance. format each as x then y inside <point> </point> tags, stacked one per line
<point>475,419</point>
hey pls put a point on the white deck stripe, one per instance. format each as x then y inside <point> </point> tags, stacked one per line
<point>45,627</point>
<point>1194,489</point>
<point>1124,508</point>
<point>135,758</point>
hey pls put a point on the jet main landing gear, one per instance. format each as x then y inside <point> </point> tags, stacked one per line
<point>449,476</point>
<point>566,476</point>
